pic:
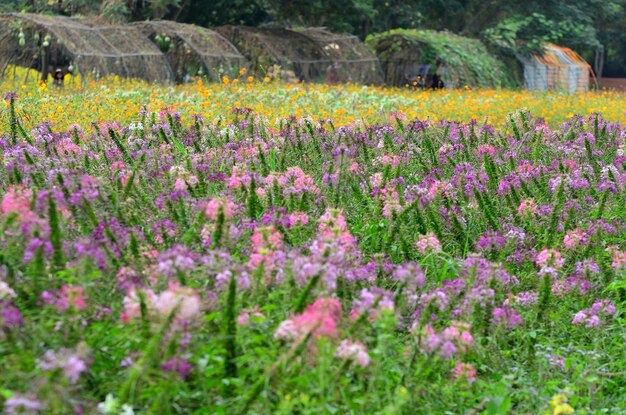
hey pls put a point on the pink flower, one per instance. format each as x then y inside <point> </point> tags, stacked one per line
<point>293,182</point>
<point>527,207</point>
<point>180,184</point>
<point>574,238</point>
<point>549,258</point>
<point>428,243</point>
<point>67,147</point>
<point>397,115</point>
<point>391,206</point>
<point>244,316</point>
<point>390,160</point>
<point>267,243</point>
<point>239,179</point>
<point>321,318</point>
<point>439,188</point>
<point>464,371</point>
<point>69,297</point>
<point>287,330</point>
<point>184,299</point>
<point>452,340</point>
<point>75,296</point>
<point>332,227</point>
<point>376,180</point>
<point>261,192</point>
<point>214,205</point>
<point>17,200</point>
<point>118,165</point>
<point>132,303</point>
<point>487,149</point>
<point>298,218</point>
<point>619,259</point>
<point>355,351</point>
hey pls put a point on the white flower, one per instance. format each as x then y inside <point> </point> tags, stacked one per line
<point>355,351</point>
<point>127,410</point>
<point>6,291</point>
<point>109,406</point>
<point>178,171</point>
<point>135,126</point>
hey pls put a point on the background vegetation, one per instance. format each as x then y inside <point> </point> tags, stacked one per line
<point>588,26</point>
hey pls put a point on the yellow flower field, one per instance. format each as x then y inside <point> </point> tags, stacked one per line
<point>120,100</point>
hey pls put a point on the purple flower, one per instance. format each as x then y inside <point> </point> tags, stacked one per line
<point>491,240</point>
<point>70,364</point>
<point>21,404</point>
<point>590,317</point>
<point>507,316</point>
<point>448,349</point>
<point>178,365</point>
<point>10,317</point>
<point>411,274</point>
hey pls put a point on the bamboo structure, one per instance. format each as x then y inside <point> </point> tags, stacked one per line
<point>47,42</point>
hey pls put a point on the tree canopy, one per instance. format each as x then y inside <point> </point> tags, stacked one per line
<point>592,27</point>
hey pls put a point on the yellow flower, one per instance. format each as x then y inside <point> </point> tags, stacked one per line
<point>563,409</point>
<point>225,80</point>
<point>559,405</point>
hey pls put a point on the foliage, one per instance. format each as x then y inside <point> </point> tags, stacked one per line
<point>536,30</point>
<point>467,58</point>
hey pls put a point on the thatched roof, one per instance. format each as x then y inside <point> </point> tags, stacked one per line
<point>91,49</point>
<point>457,60</point>
<point>355,62</point>
<point>265,47</point>
<point>193,50</point>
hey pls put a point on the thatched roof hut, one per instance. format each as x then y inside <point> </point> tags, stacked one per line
<point>354,62</point>
<point>193,50</point>
<point>297,54</point>
<point>425,57</point>
<point>558,68</point>
<point>47,42</point>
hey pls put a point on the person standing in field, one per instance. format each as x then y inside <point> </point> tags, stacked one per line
<point>332,75</point>
<point>437,82</point>
<point>58,78</point>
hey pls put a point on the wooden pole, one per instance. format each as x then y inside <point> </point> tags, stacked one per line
<point>45,59</point>
<point>598,66</point>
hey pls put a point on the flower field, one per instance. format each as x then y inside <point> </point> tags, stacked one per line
<point>82,102</point>
<point>257,247</point>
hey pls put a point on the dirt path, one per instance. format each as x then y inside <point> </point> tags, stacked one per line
<point>618,84</point>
